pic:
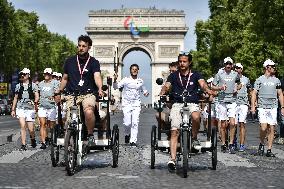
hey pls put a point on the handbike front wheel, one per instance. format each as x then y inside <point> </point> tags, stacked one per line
<point>70,152</point>
<point>115,145</point>
<point>214,147</point>
<point>153,146</point>
<point>185,135</point>
<point>54,148</point>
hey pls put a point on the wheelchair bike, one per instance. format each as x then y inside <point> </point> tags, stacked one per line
<point>57,139</point>
<point>76,133</point>
<point>185,146</point>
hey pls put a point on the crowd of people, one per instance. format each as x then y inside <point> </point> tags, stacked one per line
<point>231,93</point>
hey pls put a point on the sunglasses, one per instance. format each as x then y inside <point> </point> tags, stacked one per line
<point>184,53</point>
<point>228,63</point>
<point>237,67</point>
<point>23,74</point>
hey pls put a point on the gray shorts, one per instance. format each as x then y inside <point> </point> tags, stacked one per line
<point>175,115</point>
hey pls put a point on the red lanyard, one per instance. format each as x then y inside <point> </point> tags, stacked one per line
<point>79,67</point>
<point>186,82</point>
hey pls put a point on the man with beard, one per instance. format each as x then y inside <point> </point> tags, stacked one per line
<point>82,74</point>
<point>185,80</point>
<point>266,90</point>
<point>131,103</point>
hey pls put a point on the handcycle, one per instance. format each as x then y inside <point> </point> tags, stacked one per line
<point>75,148</point>
<point>185,149</point>
<point>57,138</point>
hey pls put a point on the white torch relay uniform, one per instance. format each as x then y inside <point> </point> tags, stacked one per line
<point>131,104</point>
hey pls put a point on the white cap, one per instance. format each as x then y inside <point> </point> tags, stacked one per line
<point>268,62</point>
<point>25,71</point>
<point>210,80</point>
<point>228,59</point>
<point>58,74</point>
<point>54,73</point>
<point>47,70</point>
<point>239,65</point>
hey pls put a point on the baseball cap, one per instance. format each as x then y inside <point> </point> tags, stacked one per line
<point>58,74</point>
<point>210,80</point>
<point>47,70</point>
<point>228,59</point>
<point>268,62</point>
<point>25,71</point>
<point>54,73</point>
<point>239,65</point>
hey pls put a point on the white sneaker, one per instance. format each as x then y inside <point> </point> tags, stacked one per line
<point>171,165</point>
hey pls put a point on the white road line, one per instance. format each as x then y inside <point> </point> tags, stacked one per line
<point>128,177</point>
<point>9,121</point>
<point>17,156</point>
<point>16,187</point>
<point>86,177</point>
<point>233,160</point>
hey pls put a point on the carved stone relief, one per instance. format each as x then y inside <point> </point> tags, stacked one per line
<point>104,51</point>
<point>167,51</point>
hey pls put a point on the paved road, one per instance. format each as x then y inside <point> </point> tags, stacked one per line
<point>32,169</point>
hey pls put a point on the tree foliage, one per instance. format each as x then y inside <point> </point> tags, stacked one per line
<point>249,31</point>
<point>24,42</point>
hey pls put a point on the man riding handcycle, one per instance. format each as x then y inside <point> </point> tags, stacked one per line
<point>184,85</point>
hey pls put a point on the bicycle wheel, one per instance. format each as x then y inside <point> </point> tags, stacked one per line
<point>70,152</point>
<point>185,146</point>
<point>54,148</point>
<point>153,146</point>
<point>115,145</point>
<point>214,147</point>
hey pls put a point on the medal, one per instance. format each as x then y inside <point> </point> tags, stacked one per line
<point>81,82</point>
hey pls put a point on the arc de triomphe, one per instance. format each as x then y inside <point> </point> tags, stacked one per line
<point>158,33</point>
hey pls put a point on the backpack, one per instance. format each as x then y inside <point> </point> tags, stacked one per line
<point>30,91</point>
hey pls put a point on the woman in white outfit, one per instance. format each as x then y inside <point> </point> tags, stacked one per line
<point>131,103</point>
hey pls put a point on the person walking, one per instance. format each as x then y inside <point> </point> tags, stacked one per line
<point>47,106</point>
<point>242,104</point>
<point>131,103</point>
<point>24,105</point>
<point>225,82</point>
<point>266,90</point>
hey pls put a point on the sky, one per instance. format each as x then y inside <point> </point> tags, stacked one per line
<point>70,17</point>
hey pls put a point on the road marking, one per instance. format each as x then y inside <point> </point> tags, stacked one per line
<point>17,156</point>
<point>234,160</point>
<point>128,177</point>
<point>15,187</point>
<point>86,177</point>
<point>9,121</point>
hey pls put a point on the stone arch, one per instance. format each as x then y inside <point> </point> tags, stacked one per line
<point>161,37</point>
<point>139,47</point>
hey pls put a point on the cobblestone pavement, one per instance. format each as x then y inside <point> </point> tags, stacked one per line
<point>32,169</point>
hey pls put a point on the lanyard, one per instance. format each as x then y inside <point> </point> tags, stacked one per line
<point>186,82</point>
<point>79,67</point>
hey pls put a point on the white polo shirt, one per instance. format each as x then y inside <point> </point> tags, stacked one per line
<point>131,90</point>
